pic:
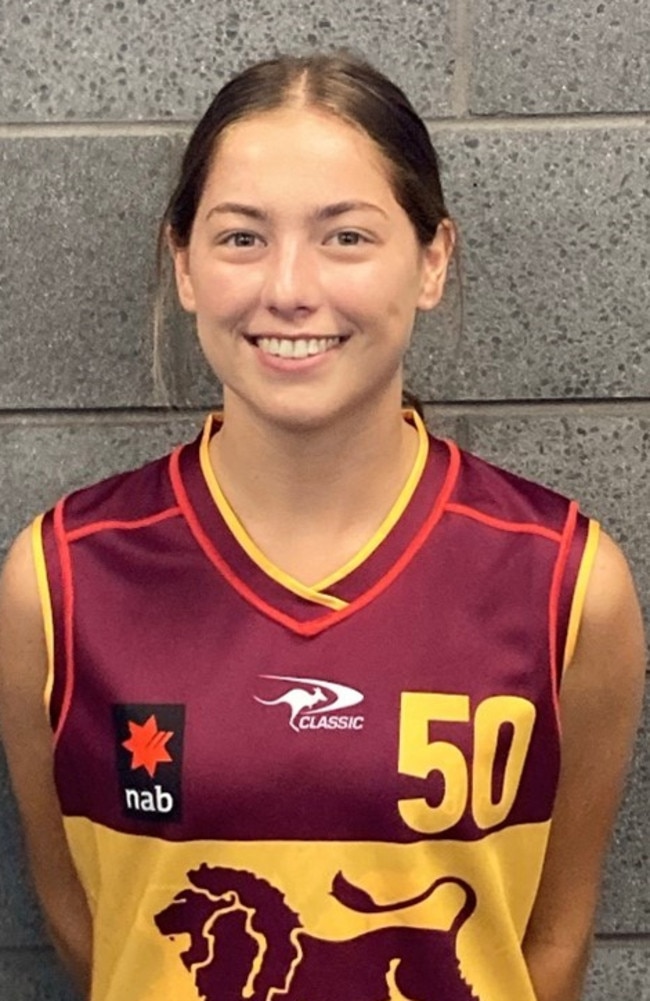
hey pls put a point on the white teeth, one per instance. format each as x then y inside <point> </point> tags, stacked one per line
<point>300,347</point>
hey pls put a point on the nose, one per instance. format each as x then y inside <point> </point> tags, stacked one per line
<point>291,283</point>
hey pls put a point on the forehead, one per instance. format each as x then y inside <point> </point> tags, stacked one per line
<point>298,152</point>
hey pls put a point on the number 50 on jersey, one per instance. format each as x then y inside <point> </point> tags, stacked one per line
<point>486,785</point>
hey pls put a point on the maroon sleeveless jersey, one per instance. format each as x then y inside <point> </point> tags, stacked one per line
<point>282,793</point>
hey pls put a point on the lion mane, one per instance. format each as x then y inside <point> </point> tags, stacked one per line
<point>247,943</point>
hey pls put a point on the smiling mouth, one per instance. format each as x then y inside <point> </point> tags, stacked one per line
<point>295,347</point>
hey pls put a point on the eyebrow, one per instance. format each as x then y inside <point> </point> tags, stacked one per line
<point>234,208</point>
<point>323,213</point>
<point>340,208</point>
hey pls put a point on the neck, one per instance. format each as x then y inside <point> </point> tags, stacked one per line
<point>345,475</point>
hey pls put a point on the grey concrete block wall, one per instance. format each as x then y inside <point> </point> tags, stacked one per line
<point>565,56</point>
<point>33,975</point>
<point>121,61</point>
<point>541,115</point>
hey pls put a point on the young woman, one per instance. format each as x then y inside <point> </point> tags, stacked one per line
<point>333,710</point>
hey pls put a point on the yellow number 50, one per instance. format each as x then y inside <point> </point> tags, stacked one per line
<point>419,757</point>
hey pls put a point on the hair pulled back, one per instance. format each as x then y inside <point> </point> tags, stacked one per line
<point>341,84</point>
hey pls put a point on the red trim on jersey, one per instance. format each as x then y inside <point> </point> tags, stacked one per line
<point>554,598</point>
<point>418,540</point>
<point>68,612</point>
<point>314,626</point>
<point>103,526</point>
<point>211,552</point>
<point>507,526</point>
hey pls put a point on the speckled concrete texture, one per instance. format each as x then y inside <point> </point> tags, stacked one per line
<point>604,463</point>
<point>80,221</point>
<point>561,56</point>
<point>142,59</point>
<point>619,971</point>
<point>33,975</point>
<point>444,425</point>
<point>41,461</point>
<point>554,251</point>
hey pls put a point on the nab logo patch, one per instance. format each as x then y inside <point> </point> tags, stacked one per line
<point>315,704</point>
<point>149,744</point>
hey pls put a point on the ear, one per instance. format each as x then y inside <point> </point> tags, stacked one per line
<point>184,285</point>
<point>435,262</point>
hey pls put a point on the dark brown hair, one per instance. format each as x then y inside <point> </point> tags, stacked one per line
<point>347,87</point>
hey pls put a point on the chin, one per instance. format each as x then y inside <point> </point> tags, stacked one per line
<point>302,416</point>
<point>300,419</point>
<point>304,410</point>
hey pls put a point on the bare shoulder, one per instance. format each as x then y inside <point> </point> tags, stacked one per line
<point>23,666</point>
<point>19,567</point>
<point>18,577</point>
<point>23,659</point>
<point>610,653</point>
<point>611,591</point>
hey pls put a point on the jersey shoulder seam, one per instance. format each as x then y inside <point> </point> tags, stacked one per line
<point>119,524</point>
<point>502,524</point>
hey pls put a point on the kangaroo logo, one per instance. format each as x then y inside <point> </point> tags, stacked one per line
<point>305,702</point>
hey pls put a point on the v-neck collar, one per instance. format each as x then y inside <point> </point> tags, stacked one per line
<point>306,609</point>
<point>323,592</point>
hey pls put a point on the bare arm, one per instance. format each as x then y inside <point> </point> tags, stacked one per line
<point>27,740</point>
<point>599,708</point>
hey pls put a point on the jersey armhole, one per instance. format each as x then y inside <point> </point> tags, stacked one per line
<point>580,592</point>
<point>45,599</point>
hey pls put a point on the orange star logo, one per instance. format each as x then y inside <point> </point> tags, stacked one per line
<point>147,744</point>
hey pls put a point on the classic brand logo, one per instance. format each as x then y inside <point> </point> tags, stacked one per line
<point>314,702</point>
<point>149,743</point>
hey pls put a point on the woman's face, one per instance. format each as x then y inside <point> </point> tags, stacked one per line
<point>303,270</point>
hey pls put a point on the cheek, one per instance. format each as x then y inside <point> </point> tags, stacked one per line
<point>367,287</point>
<point>223,294</point>
<point>385,295</point>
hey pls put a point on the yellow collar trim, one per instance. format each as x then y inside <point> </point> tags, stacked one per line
<point>317,593</point>
<point>396,511</point>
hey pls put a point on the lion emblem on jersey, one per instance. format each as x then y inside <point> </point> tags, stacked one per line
<point>245,942</point>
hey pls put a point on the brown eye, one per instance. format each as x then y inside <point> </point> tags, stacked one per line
<point>349,238</point>
<point>239,239</point>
